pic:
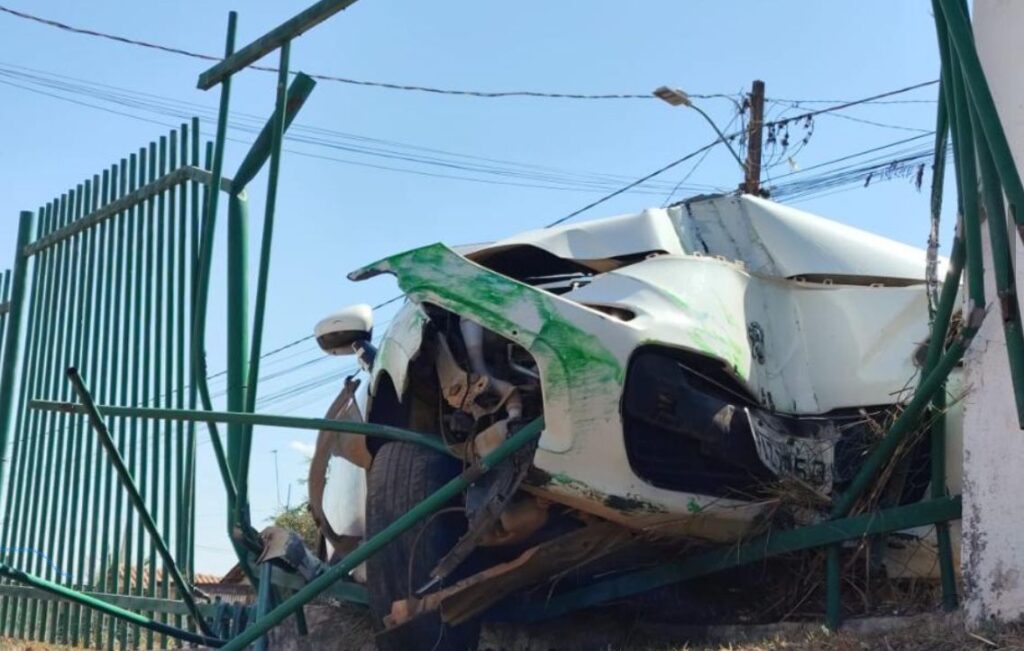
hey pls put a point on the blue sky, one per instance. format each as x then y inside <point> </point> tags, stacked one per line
<point>334,216</point>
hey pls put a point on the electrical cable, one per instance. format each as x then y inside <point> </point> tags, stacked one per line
<point>873,123</point>
<point>626,188</point>
<point>856,155</point>
<point>697,164</point>
<point>911,165</point>
<point>840,101</point>
<point>863,100</point>
<point>344,80</point>
<point>424,89</point>
<point>631,186</point>
<point>506,172</point>
<point>774,123</point>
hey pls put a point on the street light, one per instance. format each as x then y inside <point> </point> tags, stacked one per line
<point>676,97</point>
<point>673,96</point>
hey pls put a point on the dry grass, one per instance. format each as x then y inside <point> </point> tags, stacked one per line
<point>347,629</point>
<point>1006,639</point>
<point>7,644</point>
<point>919,633</point>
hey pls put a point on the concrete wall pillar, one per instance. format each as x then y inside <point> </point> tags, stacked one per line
<point>993,482</point>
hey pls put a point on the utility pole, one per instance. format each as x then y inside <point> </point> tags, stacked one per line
<point>752,183</point>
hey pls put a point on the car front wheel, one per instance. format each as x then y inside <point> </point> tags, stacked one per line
<point>403,475</point>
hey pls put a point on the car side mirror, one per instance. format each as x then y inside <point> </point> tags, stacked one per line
<point>347,331</point>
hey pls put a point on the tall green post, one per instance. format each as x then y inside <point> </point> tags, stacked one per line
<point>237,342</point>
<point>12,342</point>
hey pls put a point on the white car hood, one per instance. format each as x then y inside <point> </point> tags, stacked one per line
<point>776,240</point>
<point>770,239</point>
<point>649,231</point>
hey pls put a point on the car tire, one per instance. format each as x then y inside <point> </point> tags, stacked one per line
<point>403,475</point>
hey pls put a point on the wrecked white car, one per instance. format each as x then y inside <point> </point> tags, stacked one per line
<point>685,360</point>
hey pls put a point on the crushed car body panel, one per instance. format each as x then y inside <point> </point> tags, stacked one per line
<point>777,240</point>
<point>768,238</point>
<point>766,320</point>
<point>561,335</point>
<point>582,379</point>
<point>602,239</point>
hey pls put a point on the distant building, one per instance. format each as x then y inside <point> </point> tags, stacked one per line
<point>233,587</point>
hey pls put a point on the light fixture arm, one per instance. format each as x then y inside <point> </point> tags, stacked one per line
<point>676,97</point>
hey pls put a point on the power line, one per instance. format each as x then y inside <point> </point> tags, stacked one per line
<point>155,102</point>
<point>856,155</point>
<point>840,101</point>
<point>642,179</point>
<point>509,173</point>
<point>700,161</point>
<point>885,125</point>
<point>390,168</point>
<point>124,40</point>
<point>775,123</point>
<point>900,127</point>
<point>911,165</point>
<point>344,80</point>
<point>853,102</point>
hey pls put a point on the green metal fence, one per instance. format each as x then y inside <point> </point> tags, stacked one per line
<point>111,282</point>
<point>107,281</point>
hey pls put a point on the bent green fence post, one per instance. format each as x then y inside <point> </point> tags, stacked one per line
<point>935,203</point>
<point>298,92</point>
<point>958,28</point>
<point>1002,268</point>
<point>234,464</point>
<point>939,327</point>
<point>202,288</point>
<point>268,144</point>
<point>277,125</point>
<point>987,138</point>
<point>242,393</point>
<point>967,249</point>
<point>146,519</point>
<point>910,417</point>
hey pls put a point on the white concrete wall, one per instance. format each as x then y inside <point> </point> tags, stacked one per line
<point>993,523</point>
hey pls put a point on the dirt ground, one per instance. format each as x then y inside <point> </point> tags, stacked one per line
<point>347,629</point>
<point>344,628</point>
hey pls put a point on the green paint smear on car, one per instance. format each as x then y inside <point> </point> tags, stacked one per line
<point>708,337</point>
<point>506,306</point>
